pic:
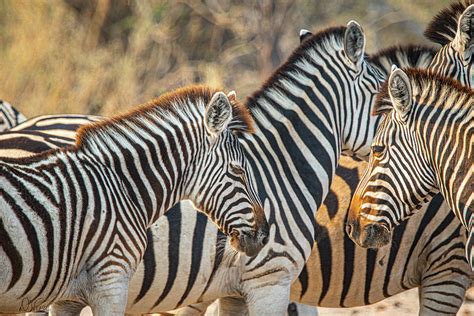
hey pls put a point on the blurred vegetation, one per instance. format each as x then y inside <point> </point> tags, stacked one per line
<point>103,56</point>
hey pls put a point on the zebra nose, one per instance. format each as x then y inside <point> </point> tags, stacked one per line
<point>375,236</point>
<point>234,233</point>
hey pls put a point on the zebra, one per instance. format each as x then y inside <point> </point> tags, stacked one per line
<point>9,116</point>
<point>86,208</point>
<point>423,146</point>
<point>452,28</point>
<point>223,272</point>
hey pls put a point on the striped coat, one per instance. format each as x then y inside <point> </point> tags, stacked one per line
<point>73,221</point>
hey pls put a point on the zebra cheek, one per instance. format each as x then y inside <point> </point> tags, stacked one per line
<point>354,209</point>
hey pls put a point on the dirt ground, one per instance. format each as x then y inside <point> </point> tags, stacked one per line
<point>405,303</point>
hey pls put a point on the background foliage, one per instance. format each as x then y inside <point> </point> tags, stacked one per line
<point>103,56</point>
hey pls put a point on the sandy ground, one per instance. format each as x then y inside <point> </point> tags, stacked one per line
<point>405,303</point>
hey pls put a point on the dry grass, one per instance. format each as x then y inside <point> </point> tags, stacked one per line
<point>102,56</point>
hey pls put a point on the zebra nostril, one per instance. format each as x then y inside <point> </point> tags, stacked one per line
<point>265,240</point>
<point>349,229</point>
<point>234,233</point>
<point>376,236</point>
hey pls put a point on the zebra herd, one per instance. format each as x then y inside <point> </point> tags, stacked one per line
<point>281,153</point>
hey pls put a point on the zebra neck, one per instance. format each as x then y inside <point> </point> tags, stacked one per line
<point>297,144</point>
<point>150,161</point>
<point>448,138</point>
<point>449,62</point>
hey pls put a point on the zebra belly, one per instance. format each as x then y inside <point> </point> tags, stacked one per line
<point>182,249</point>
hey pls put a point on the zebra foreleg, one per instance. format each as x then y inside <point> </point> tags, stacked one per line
<point>442,296</point>
<point>66,308</point>
<point>109,300</point>
<point>197,309</point>
<point>272,300</point>
<point>232,306</point>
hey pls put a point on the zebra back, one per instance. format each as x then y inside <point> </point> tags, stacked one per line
<point>406,56</point>
<point>9,116</point>
<point>42,133</point>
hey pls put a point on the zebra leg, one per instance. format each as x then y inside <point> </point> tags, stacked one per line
<point>66,308</point>
<point>232,306</point>
<point>193,310</point>
<point>442,296</point>
<point>297,309</point>
<point>272,300</point>
<point>109,301</point>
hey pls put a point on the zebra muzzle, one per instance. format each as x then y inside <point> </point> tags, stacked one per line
<point>374,236</point>
<point>368,235</point>
<point>249,241</point>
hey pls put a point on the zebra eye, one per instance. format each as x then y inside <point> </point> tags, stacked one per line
<point>378,150</point>
<point>235,168</point>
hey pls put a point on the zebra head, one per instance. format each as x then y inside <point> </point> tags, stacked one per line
<point>399,178</point>
<point>364,81</point>
<point>455,58</point>
<point>334,64</point>
<point>222,185</point>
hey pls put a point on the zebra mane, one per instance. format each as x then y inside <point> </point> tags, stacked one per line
<point>172,104</point>
<point>423,80</point>
<point>443,27</point>
<point>404,56</point>
<point>323,39</point>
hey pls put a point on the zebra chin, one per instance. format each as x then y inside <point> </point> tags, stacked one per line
<point>249,241</point>
<point>370,235</point>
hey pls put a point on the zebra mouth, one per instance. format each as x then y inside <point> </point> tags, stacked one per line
<point>370,235</point>
<point>248,242</point>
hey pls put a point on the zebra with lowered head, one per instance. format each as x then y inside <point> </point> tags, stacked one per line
<point>423,146</point>
<point>9,116</point>
<point>73,221</point>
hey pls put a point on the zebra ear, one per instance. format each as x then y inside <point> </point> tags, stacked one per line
<point>399,89</point>
<point>354,42</point>
<point>218,113</point>
<point>232,96</point>
<point>304,34</point>
<point>464,40</point>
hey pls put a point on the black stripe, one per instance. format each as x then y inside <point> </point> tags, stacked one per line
<point>174,237</point>
<point>12,254</point>
<point>198,242</point>
<point>303,278</point>
<point>371,257</point>
<point>221,240</point>
<point>149,266</point>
